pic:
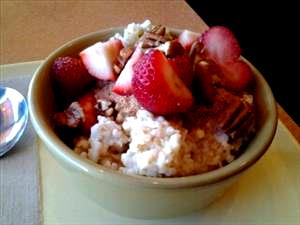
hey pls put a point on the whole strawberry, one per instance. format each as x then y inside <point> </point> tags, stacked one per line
<point>70,77</point>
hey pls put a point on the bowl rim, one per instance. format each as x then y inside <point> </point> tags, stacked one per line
<point>76,162</point>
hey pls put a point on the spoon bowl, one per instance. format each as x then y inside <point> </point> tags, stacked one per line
<point>13,118</point>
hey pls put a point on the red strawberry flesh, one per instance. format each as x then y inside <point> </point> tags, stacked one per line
<point>157,87</point>
<point>183,68</point>
<point>237,75</point>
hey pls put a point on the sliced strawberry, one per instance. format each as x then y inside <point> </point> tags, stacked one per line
<point>221,45</point>
<point>123,84</point>
<point>100,57</point>
<point>70,76</point>
<point>88,103</point>
<point>237,75</point>
<point>183,67</point>
<point>157,87</point>
<point>186,39</point>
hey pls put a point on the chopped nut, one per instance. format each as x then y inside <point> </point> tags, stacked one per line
<point>71,117</point>
<point>109,112</point>
<point>117,68</point>
<point>81,145</point>
<point>125,53</point>
<point>171,48</point>
<point>237,117</point>
<point>248,98</point>
<point>153,38</point>
<point>122,59</point>
<point>104,104</point>
<point>120,118</point>
<point>118,106</point>
<point>200,133</point>
<point>197,51</point>
<point>159,29</point>
<point>84,154</point>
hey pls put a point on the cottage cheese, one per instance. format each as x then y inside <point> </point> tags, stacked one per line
<point>154,144</point>
<point>133,32</point>
<point>106,135</point>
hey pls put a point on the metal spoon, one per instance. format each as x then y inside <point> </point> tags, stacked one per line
<point>13,118</point>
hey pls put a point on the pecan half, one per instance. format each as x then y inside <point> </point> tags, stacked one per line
<point>237,117</point>
<point>153,38</point>
<point>159,30</point>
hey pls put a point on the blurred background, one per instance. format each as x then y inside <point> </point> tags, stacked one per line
<point>268,35</point>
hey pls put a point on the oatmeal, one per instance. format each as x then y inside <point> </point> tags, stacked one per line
<point>159,105</point>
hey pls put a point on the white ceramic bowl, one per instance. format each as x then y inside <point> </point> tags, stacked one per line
<point>137,196</point>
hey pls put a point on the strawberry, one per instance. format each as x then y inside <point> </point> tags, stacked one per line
<point>100,57</point>
<point>186,38</point>
<point>70,76</point>
<point>220,45</point>
<point>87,103</point>
<point>157,87</point>
<point>123,84</point>
<point>183,68</point>
<point>237,75</point>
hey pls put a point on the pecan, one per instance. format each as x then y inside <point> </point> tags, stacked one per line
<point>158,29</point>
<point>197,51</point>
<point>173,48</point>
<point>122,59</point>
<point>237,117</point>
<point>207,78</point>
<point>109,112</point>
<point>81,144</point>
<point>103,104</point>
<point>71,117</point>
<point>153,38</point>
<point>150,40</point>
